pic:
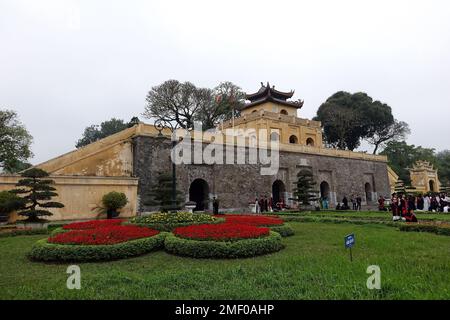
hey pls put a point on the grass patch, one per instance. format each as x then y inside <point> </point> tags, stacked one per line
<point>314,265</point>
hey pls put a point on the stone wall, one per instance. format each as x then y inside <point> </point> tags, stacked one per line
<point>237,185</point>
<point>81,195</point>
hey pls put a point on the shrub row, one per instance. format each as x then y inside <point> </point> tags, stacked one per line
<point>169,227</point>
<point>253,220</point>
<point>284,230</point>
<point>216,249</point>
<point>44,251</point>
<point>426,228</point>
<point>22,232</point>
<point>173,218</point>
<point>341,220</point>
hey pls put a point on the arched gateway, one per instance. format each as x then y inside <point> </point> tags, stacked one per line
<point>278,190</point>
<point>199,193</point>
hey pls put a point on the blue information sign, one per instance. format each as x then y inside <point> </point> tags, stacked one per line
<point>349,240</point>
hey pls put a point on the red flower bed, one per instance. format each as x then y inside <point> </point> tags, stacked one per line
<point>253,220</point>
<point>221,232</point>
<point>103,235</point>
<point>92,224</point>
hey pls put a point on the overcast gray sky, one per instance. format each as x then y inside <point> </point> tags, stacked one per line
<point>66,64</point>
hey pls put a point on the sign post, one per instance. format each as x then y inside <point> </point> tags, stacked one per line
<point>349,242</point>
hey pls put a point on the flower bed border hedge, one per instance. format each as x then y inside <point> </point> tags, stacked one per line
<point>223,249</point>
<point>49,252</point>
<point>284,230</point>
<point>168,227</point>
<point>23,232</point>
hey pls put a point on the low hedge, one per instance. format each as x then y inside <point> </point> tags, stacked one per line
<point>56,231</point>
<point>44,251</point>
<point>223,249</point>
<point>284,230</point>
<point>426,228</point>
<point>168,227</point>
<point>341,220</point>
<point>22,232</point>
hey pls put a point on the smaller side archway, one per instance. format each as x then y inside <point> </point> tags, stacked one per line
<point>278,190</point>
<point>432,186</point>
<point>368,190</point>
<point>199,193</point>
<point>284,112</point>
<point>310,142</point>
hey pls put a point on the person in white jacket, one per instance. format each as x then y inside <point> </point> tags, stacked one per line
<point>426,203</point>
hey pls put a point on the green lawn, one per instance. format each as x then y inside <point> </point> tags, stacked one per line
<point>314,265</point>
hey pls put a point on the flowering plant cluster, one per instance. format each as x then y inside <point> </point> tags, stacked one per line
<point>92,224</point>
<point>179,217</point>
<point>221,232</point>
<point>105,235</point>
<point>253,220</point>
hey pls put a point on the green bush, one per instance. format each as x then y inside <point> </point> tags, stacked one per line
<point>55,231</point>
<point>223,249</point>
<point>284,230</point>
<point>44,251</point>
<point>112,202</point>
<point>54,226</point>
<point>169,221</point>
<point>9,202</point>
<point>426,228</point>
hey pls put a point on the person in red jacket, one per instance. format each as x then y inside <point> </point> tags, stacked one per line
<point>410,216</point>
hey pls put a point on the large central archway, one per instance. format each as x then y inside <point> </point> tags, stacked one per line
<point>278,190</point>
<point>199,193</point>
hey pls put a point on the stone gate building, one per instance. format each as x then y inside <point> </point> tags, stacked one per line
<point>130,161</point>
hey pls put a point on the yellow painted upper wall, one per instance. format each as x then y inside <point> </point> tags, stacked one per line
<point>271,107</point>
<point>282,119</point>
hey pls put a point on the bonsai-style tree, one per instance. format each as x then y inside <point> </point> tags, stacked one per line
<point>304,191</point>
<point>37,193</point>
<point>161,195</point>
<point>112,202</point>
<point>9,202</point>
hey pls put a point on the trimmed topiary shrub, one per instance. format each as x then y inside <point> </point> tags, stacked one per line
<point>284,230</point>
<point>112,202</point>
<point>223,249</point>
<point>169,221</point>
<point>44,251</point>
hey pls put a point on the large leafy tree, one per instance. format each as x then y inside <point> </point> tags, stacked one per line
<point>348,118</point>
<point>37,192</point>
<point>15,142</point>
<point>395,131</point>
<point>443,165</point>
<point>402,156</point>
<point>96,132</point>
<point>182,103</point>
<point>228,100</point>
